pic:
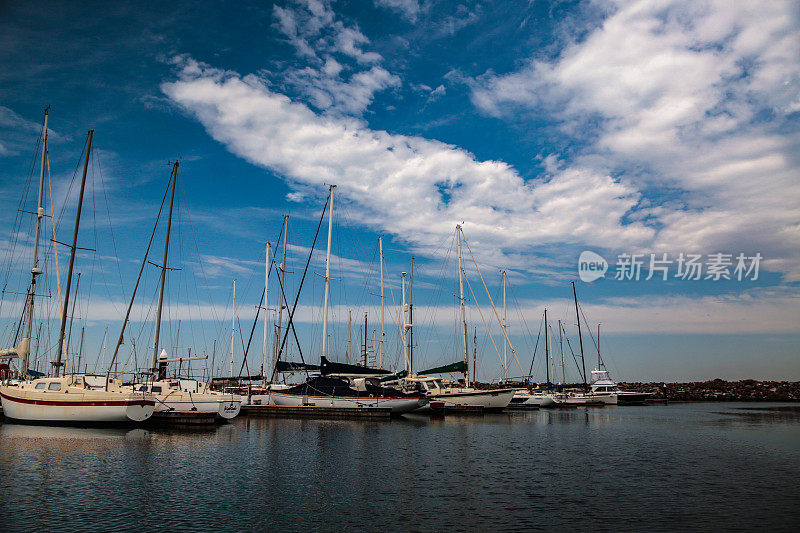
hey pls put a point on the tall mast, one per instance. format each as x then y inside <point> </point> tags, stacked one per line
<point>552,357</point>
<point>35,270</point>
<point>383,333</point>
<point>463,309</point>
<point>475,356</point>
<point>233,324</point>
<point>599,361</point>
<point>164,267</point>
<point>327,277</point>
<point>350,337</point>
<point>405,323</point>
<point>410,325</point>
<point>561,349</point>
<point>266,317</point>
<point>57,362</point>
<point>580,336</point>
<point>365,339</point>
<point>546,349</point>
<point>505,344</point>
<point>275,346</point>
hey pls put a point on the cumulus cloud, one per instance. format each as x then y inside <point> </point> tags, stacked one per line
<point>694,100</point>
<point>338,75</point>
<point>411,187</point>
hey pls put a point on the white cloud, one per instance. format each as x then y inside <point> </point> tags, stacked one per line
<point>415,188</point>
<point>685,97</point>
<point>409,9</point>
<point>327,91</point>
<point>338,75</point>
<point>19,134</point>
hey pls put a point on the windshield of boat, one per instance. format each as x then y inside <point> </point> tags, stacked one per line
<point>433,385</point>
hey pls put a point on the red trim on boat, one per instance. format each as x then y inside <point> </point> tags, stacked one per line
<point>77,403</point>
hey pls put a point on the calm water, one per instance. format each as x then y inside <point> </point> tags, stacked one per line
<point>699,466</point>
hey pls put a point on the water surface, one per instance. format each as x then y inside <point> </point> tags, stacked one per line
<point>699,466</point>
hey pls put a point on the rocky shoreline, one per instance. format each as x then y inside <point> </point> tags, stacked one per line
<point>748,390</point>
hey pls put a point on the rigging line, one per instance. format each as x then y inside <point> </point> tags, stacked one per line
<point>591,336</point>
<point>524,321</point>
<point>202,267</point>
<point>297,297</point>
<point>484,321</point>
<point>246,350</point>
<point>111,229</point>
<point>53,220</point>
<point>290,324</point>
<point>574,357</point>
<point>505,333</point>
<point>536,347</point>
<point>19,216</point>
<point>139,277</point>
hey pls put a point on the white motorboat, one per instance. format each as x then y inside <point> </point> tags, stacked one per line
<point>605,389</point>
<point>73,399</point>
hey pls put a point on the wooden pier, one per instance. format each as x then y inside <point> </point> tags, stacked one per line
<point>314,411</point>
<point>521,407</point>
<point>182,419</point>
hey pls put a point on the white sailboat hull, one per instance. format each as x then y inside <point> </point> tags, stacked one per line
<point>74,407</point>
<point>540,400</point>
<point>226,407</point>
<point>397,405</point>
<point>490,400</point>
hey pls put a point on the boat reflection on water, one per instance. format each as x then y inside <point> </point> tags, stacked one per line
<point>25,431</point>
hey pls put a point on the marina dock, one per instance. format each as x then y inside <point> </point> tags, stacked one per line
<point>521,407</point>
<point>313,411</point>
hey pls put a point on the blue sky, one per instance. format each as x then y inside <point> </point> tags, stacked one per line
<point>546,128</point>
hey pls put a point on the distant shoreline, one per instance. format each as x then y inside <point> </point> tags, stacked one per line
<point>719,390</point>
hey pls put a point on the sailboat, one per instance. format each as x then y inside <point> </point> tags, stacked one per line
<point>66,398</point>
<point>436,390</point>
<point>182,394</point>
<point>177,394</point>
<point>344,385</point>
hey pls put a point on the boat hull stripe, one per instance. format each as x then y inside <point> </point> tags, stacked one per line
<point>77,403</point>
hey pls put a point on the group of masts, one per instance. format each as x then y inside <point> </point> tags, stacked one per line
<point>407,322</point>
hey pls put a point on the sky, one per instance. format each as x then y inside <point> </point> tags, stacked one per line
<point>662,136</point>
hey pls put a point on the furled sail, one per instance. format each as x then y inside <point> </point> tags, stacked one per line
<point>289,366</point>
<point>455,368</point>
<point>341,369</point>
<point>21,350</point>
